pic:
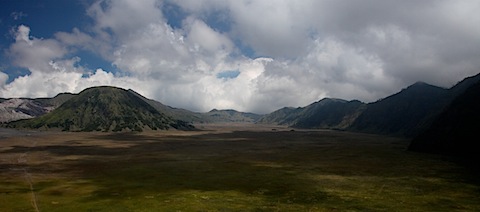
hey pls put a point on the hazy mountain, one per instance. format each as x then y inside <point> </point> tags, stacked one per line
<point>14,109</point>
<point>24,108</point>
<point>103,109</point>
<point>229,116</point>
<point>209,117</point>
<point>454,131</point>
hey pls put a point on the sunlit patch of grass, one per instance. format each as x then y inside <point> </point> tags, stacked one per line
<point>14,196</point>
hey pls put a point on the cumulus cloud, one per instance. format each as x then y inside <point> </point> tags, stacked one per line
<point>33,53</point>
<point>282,53</point>
<point>52,69</point>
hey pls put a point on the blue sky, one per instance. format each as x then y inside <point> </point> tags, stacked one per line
<point>45,18</point>
<point>255,56</point>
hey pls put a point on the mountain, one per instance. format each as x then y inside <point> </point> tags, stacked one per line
<point>403,113</point>
<point>177,113</point>
<point>454,131</point>
<point>24,108</point>
<point>410,111</point>
<point>229,116</point>
<point>463,85</point>
<point>284,116</point>
<point>326,113</point>
<point>103,109</point>
<point>212,116</point>
<point>329,113</point>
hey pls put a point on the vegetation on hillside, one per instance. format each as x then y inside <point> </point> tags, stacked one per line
<point>103,109</point>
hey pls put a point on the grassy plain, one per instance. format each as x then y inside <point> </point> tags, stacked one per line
<point>222,168</point>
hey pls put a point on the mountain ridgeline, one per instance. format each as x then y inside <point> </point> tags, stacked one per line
<point>103,109</point>
<point>438,119</point>
<point>405,114</point>
<point>454,131</point>
<point>326,113</point>
<point>213,116</point>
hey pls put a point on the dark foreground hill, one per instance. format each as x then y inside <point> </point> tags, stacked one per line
<point>103,109</point>
<point>455,130</point>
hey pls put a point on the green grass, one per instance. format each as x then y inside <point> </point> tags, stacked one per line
<point>234,171</point>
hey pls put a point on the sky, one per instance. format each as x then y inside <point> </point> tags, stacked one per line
<point>252,56</point>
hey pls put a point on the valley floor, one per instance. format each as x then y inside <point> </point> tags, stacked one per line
<point>226,168</point>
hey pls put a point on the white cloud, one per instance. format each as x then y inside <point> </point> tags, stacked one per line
<point>201,38</point>
<point>123,17</point>
<point>311,49</point>
<point>33,53</point>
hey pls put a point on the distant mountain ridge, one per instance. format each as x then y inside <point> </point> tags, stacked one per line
<point>326,113</point>
<point>230,116</point>
<point>25,108</point>
<point>212,116</point>
<point>405,113</point>
<point>103,108</point>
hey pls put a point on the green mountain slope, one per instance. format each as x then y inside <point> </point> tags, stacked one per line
<point>103,109</point>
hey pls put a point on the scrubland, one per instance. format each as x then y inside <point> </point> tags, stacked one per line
<point>227,168</point>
